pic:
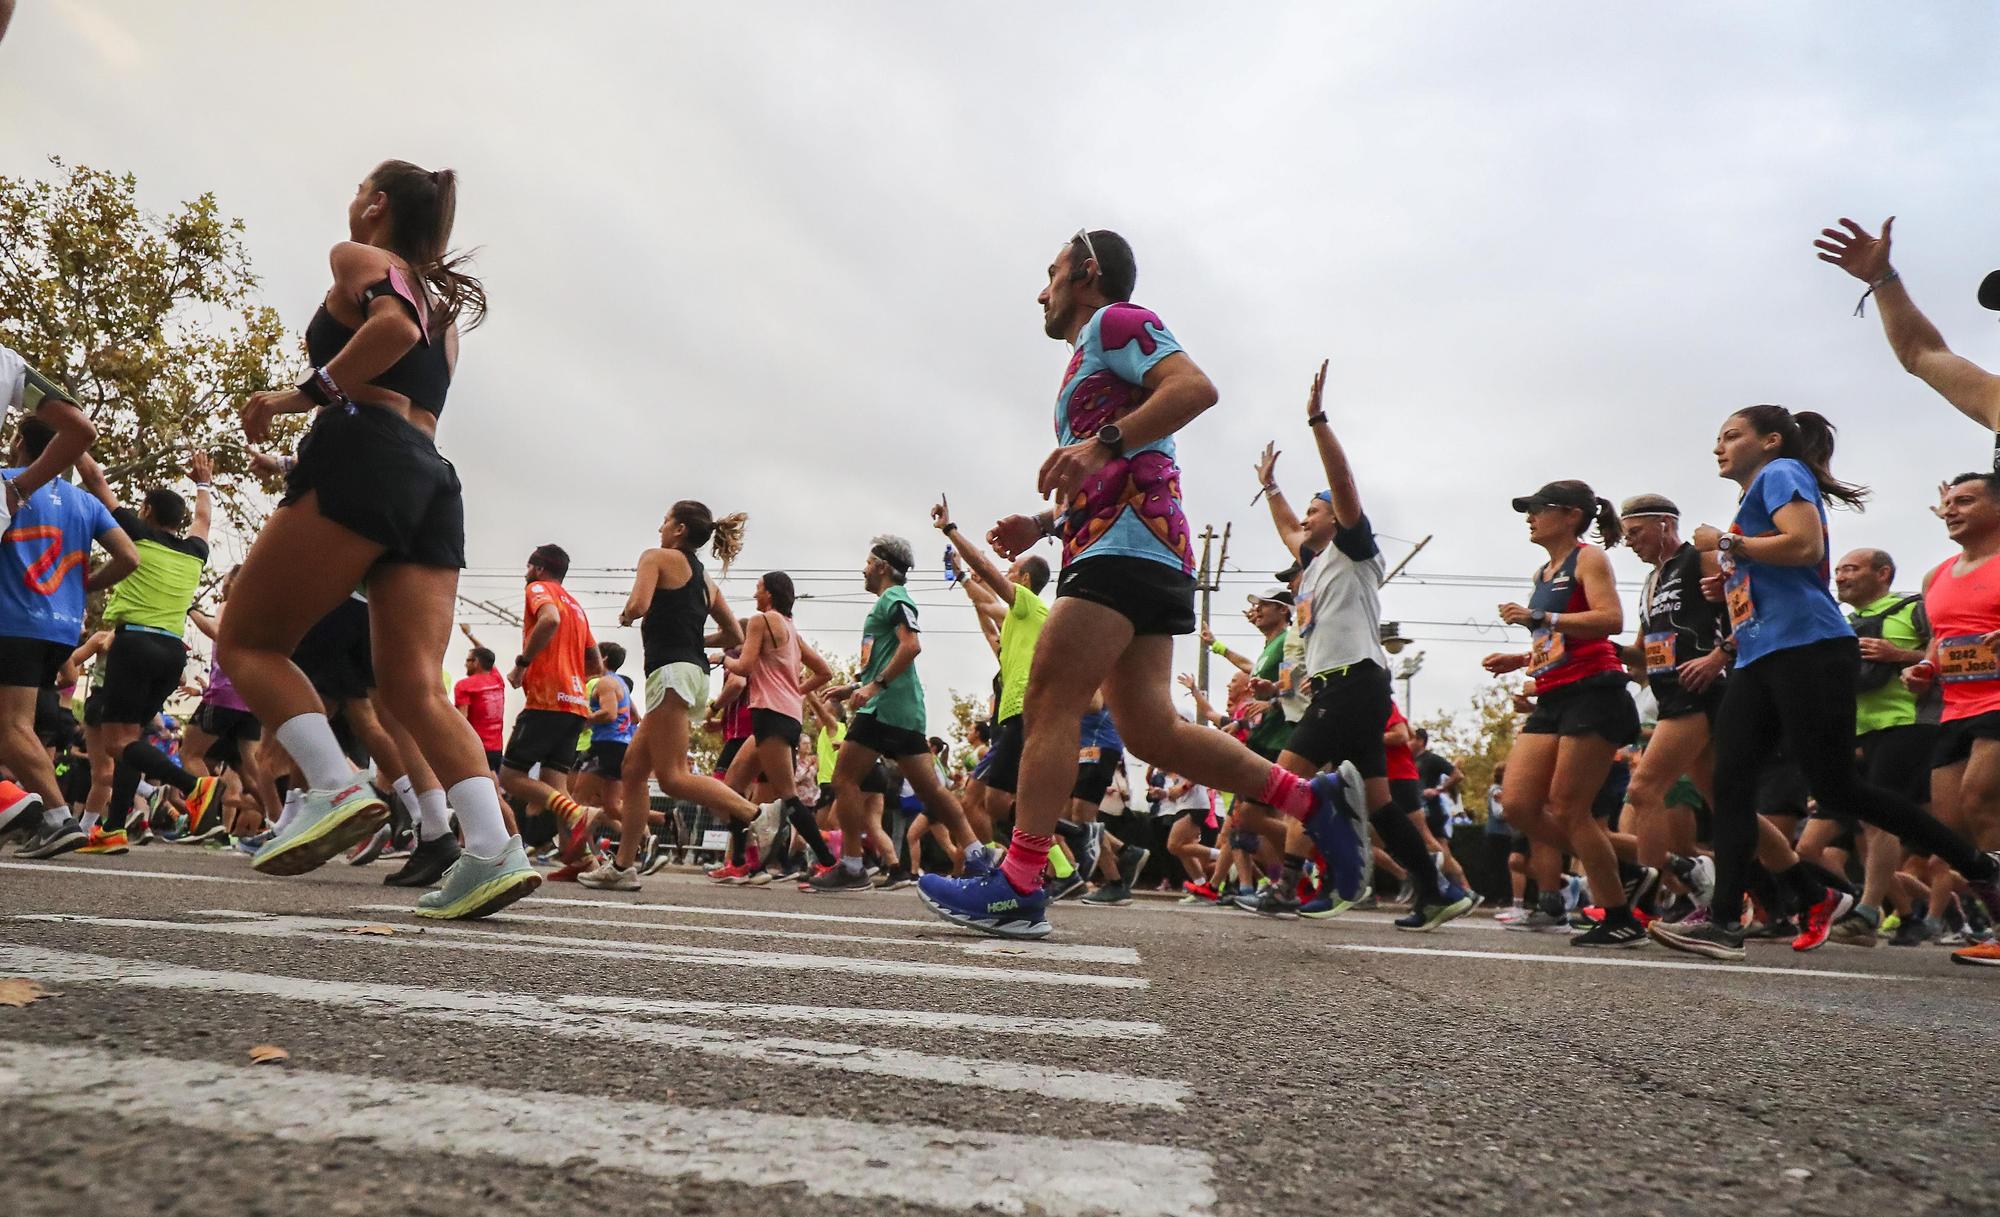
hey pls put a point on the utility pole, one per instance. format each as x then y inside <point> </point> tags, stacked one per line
<point>1204,584</point>
<point>1419,548</point>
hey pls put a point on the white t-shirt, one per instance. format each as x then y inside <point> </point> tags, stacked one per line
<point>1196,799</point>
<point>1340,603</point>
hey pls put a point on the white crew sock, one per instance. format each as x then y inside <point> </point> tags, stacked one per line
<point>433,816</point>
<point>294,799</point>
<point>146,789</point>
<point>89,820</point>
<point>53,817</point>
<point>406,794</point>
<point>477,801</point>
<point>308,740</point>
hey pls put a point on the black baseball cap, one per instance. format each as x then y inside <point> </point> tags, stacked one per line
<point>1558,494</point>
<point>1989,291</point>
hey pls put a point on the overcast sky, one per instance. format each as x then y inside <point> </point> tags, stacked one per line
<point>783,258</point>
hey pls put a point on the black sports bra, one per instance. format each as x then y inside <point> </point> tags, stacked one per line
<point>423,374</point>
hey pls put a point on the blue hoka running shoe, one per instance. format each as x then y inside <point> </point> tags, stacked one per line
<point>987,903</point>
<point>1335,826</point>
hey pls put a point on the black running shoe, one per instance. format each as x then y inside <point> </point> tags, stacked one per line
<point>838,878</point>
<point>1784,927</point>
<point>1708,938</point>
<point>1131,861</point>
<point>1270,903</point>
<point>426,864</point>
<point>1639,888</point>
<point>1612,932</point>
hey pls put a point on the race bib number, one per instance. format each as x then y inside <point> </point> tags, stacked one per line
<point>1742,605</point>
<point>867,649</point>
<point>1305,618</point>
<point>1546,653</point>
<point>1659,652</point>
<point>1089,756</point>
<point>1967,657</point>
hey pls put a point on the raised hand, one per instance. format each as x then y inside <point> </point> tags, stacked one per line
<point>1864,256</point>
<point>201,469</point>
<point>1267,464</point>
<point>1319,387</point>
<point>941,514</point>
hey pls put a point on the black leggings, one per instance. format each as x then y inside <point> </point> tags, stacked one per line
<point>1801,700</point>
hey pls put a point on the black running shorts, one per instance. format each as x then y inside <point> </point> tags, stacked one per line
<point>337,654</point>
<point>1407,794</point>
<point>31,663</point>
<point>1897,759</point>
<point>1094,776</point>
<point>1003,761</point>
<point>895,743</point>
<point>1955,738</point>
<point>142,670</point>
<point>1595,705</point>
<point>546,738</point>
<point>1677,702</point>
<point>1154,597</point>
<point>769,724</point>
<point>607,759</point>
<point>231,728</point>
<point>381,478</point>
<point>1345,722</point>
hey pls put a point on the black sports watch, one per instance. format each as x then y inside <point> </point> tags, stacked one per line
<point>1111,437</point>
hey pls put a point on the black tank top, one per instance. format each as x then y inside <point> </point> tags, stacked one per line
<point>673,628</point>
<point>1676,622</point>
<point>423,374</point>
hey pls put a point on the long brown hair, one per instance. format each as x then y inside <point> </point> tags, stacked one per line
<point>422,206</point>
<point>703,528</point>
<point>1807,438</point>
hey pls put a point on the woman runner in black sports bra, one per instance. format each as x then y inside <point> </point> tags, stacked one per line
<point>371,501</point>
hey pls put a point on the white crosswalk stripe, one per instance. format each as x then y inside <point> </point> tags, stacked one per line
<point>925,1164</point>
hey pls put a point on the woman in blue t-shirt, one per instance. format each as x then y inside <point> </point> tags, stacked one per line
<point>1793,685</point>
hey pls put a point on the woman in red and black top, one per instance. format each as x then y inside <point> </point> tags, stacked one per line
<point>1582,715</point>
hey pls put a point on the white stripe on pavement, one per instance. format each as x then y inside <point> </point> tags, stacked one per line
<point>710,910</point>
<point>331,929</point>
<point>911,1164</point>
<point>869,1016</point>
<point>947,939</point>
<point>1621,961</point>
<point>112,872</point>
<point>525,1012</point>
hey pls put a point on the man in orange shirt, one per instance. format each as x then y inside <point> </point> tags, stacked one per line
<point>557,656</point>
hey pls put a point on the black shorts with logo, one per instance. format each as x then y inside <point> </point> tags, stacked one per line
<point>1154,597</point>
<point>1094,777</point>
<point>381,478</point>
<point>1003,761</point>
<point>32,663</point>
<point>338,653</point>
<point>1595,705</point>
<point>142,670</point>
<point>546,738</point>
<point>1346,719</point>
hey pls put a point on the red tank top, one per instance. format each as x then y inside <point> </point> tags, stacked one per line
<point>1402,762</point>
<point>1557,659</point>
<point>1964,609</point>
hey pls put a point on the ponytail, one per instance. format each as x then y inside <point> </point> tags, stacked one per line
<point>724,537</point>
<point>423,204</point>
<point>778,586</point>
<point>1610,529</point>
<point>1806,437</point>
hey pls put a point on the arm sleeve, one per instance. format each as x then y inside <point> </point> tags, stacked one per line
<point>1133,340</point>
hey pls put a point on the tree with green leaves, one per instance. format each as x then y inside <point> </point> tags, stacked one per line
<point>1478,739</point>
<point>149,321</point>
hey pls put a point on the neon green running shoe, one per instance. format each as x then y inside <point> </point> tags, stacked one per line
<point>329,824</point>
<point>479,887</point>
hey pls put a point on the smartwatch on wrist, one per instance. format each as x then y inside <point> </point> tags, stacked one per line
<point>520,661</point>
<point>1112,437</point>
<point>1538,618</point>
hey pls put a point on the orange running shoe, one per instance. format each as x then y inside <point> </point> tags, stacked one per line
<point>102,842</point>
<point>1985,955</point>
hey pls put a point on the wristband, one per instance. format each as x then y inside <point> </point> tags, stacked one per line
<point>1315,419</point>
<point>1861,305</point>
<point>1217,647</point>
<point>203,485</point>
<point>1553,618</point>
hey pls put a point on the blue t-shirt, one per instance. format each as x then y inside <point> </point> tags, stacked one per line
<point>1099,733</point>
<point>1775,608</point>
<point>44,560</point>
<point>619,729</point>
<point>1132,507</point>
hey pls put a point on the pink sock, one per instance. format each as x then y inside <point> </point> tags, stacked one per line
<point>1288,792</point>
<point>1026,856</point>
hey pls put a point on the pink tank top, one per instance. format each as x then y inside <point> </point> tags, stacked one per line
<point>1963,610</point>
<point>774,682</point>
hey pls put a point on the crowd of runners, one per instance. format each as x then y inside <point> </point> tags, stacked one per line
<point>1741,759</point>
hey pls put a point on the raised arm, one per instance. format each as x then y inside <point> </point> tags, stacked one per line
<point>1918,344</point>
<point>977,563</point>
<point>1332,457</point>
<point>1240,662</point>
<point>74,433</point>
<point>202,470</point>
<point>1290,529</point>
<point>95,482</point>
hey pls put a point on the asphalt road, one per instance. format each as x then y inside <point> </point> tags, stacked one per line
<point>706,1050</point>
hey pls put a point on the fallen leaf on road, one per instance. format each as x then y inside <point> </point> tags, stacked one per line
<point>384,930</point>
<point>1007,951</point>
<point>19,991</point>
<point>265,1054</point>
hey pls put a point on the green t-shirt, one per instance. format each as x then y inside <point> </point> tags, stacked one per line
<point>1273,731</point>
<point>1891,705</point>
<point>1018,635</point>
<point>901,702</point>
<point>159,593</point>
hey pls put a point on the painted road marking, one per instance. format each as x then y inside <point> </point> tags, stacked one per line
<point>710,910</point>
<point>526,1012</point>
<point>911,1164</point>
<point>103,872</point>
<point>1609,961</point>
<point>949,939</point>
<point>332,929</point>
